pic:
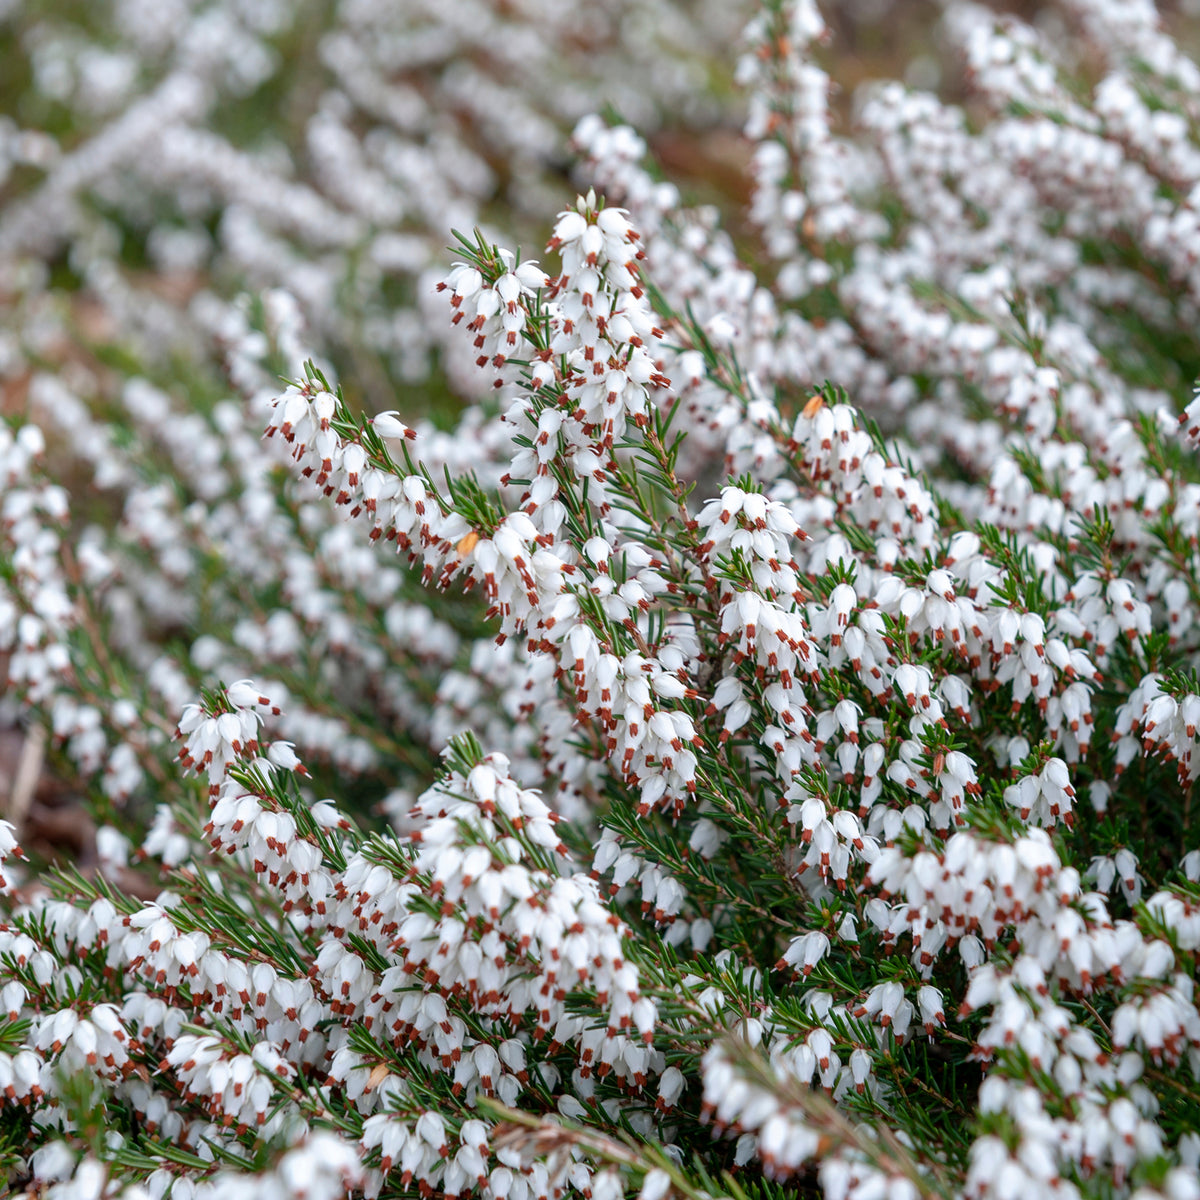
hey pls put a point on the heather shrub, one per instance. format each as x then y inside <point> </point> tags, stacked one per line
<point>709,711</point>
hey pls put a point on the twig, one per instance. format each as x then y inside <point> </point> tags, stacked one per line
<point>29,770</point>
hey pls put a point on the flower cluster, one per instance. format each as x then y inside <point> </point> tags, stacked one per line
<point>455,945</point>
<point>731,726</point>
